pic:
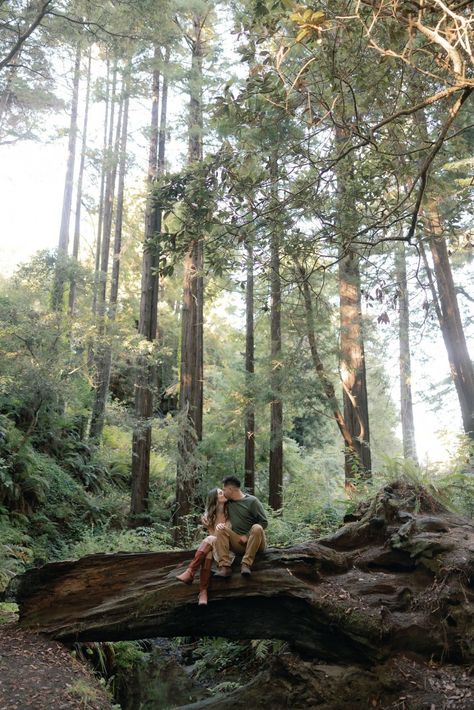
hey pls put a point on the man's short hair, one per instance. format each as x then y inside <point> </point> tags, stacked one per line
<point>231,481</point>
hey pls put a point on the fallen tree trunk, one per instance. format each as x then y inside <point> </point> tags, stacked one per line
<point>399,577</point>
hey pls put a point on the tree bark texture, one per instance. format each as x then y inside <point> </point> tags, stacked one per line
<point>80,178</point>
<point>190,394</point>
<point>163,116</point>
<point>406,400</point>
<point>98,249</point>
<point>109,197</point>
<point>328,386</point>
<point>192,315</point>
<point>122,169</point>
<point>399,577</point>
<point>462,371</point>
<point>352,366</point>
<point>147,326</point>
<point>275,478</point>
<point>63,244</point>
<point>249,375</point>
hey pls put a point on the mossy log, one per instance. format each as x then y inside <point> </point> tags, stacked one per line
<point>398,577</point>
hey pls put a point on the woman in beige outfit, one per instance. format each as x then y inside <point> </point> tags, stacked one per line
<point>215,513</point>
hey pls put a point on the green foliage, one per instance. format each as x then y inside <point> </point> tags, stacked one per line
<point>86,693</point>
<point>227,686</point>
<point>8,611</point>
<point>449,484</point>
<point>15,548</point>
<point>263,648</point>
<point>217,654</point>
<point>104,539</point>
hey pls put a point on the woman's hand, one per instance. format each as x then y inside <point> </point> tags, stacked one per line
<point>220,526</point>
<point>243,539</point>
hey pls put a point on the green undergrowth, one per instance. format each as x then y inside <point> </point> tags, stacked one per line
<point>448,484</point>
<point>8,612</point>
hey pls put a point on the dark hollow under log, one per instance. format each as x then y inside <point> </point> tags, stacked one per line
<point>399,577</point>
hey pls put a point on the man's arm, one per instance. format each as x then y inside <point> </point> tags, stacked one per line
<point>259,514</point>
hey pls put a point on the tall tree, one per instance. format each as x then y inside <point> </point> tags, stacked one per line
<point>192,314</point>
<point>275,480</point>
<point>328,387</point>
<point>406,399</point>
<point>107,141</point>
<point>80,178</point>
<point>249,372</point>
<point>147,325</point>
<point>462,371</point>
<point>352,363</point>
<point>63,245</point>
<point>101,346</point>
<point>352,366</point>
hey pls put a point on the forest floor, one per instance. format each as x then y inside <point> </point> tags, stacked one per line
<point>39,674</point>
<point>401,683</point>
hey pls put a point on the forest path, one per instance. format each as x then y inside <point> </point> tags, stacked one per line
<point>39,674</point>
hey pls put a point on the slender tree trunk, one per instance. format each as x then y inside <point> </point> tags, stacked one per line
<point>109,197</point>
<point>122,169</point>
<point>77,222</point>
<point>328,386</point>
<point>147,327</point>
<point>406,400</point>
<point>105,349</point>
<point>249,375</point>
<point>104,171</point>
<point>352,366</point>
<point>275,479</point>
<point>163,116</point>
<point>452,329</point>
<point>191,375</point>
<point>102,347</point>
<point>63,245</point>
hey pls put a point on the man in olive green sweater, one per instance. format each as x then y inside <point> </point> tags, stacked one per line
<point>247,535</point>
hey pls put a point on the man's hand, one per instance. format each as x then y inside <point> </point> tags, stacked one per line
<point>243,539</point>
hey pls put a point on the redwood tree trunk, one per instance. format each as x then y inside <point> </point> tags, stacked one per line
<point>275,482</point>
<point>352,366</point>
<point>406,400</point>
<point>147,326</point>
<point>328,387</point>
<point>249,375</point>
<point>63,245</point>
<point>462,371</point>
<point>191,374</point>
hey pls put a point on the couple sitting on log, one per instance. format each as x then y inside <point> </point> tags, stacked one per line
<point>235,522</point>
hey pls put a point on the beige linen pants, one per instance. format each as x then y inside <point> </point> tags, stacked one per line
<point>228,540</point>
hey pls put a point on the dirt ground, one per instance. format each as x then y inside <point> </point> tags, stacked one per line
<point>38,674</point>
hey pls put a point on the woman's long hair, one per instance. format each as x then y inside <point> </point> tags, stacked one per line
<point>210,514</point>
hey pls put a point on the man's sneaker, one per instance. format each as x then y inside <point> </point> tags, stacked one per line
<point>223,572</point>
<point>245,571</point>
